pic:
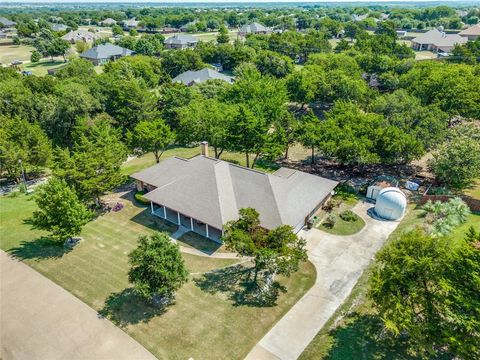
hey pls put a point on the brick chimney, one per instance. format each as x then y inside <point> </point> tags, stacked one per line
<point>204,148</point>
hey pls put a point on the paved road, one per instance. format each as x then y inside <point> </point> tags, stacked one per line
<point>40,320</point>
<point>339,261</point>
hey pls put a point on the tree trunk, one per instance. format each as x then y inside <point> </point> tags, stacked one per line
<point>247,159</point>
<point>286,151</point>
<point>220,153</point>
<point>255,160</point>
<point>313,155</point>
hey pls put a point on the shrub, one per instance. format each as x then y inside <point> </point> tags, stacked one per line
<point>140,198</point>
<point>330,221</point>
<point>442,217</point>
<point>349,216</point>
<point>332,203</point>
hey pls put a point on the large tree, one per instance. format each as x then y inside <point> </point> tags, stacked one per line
<point>60,211</point>
<point>92,167</point>
<point>157,267</point>
<point>151,136</point>
<point>457,161</point>
<point>207,120</point>
<point>22,144</point>
<point>276,251</point>
<point>428,288</point>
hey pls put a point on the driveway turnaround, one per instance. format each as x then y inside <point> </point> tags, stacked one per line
<point>40,320</point>
<point>339,261</point>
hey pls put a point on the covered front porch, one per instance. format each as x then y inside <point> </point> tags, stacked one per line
<point>187,222</point>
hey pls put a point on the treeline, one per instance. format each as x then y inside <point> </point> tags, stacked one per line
<point>330,19</point>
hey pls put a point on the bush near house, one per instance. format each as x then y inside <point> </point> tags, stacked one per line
<point>140,198</point>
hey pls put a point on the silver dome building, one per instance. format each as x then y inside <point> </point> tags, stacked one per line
<point>391,203</point>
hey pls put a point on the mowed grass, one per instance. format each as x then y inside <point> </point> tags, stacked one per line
<point>355,331</point>
<point>206,321</point>
<point>147,160</point>
<point>15,52</point>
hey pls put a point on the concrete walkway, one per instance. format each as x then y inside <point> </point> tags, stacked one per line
<point>40,320</point>
<point>339,260</point>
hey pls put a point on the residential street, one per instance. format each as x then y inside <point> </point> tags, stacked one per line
<point>339,261</point>
<point>40,320</point>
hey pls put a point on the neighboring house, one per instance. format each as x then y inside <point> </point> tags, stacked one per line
<point>4,22</point>
<point>181,41</point>
<point>437,41</point>
<point>59,27</point>
<point>168,30</point>
<point>130,24</point>
<point>401,33</point>
<point>254,28</point>
<point>471,33</point>
<point>108,22</point>
<point>203,193</point>
<point>80,35</point>
<point>356,17</point>
<point>195,77</point>
<point>102,54</point>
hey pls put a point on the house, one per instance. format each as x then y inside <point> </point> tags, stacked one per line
<point>437,41</point>
<point>4,22</point>
<point>80,35</point>
<point>254,28</point>
<point>102,54</point>
<point>196,77</point>
<point>471,33</point>
<point>401,33</point>
<point>130,24</point>
<point>181,41</point>
<point>108,22</point>
<point>59,27</point>
<point>203,193</point>
<point>356,17</point>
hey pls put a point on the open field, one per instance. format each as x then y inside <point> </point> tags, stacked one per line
<point>15,52</point>
<point>210,314</point>
<point>355,328</point>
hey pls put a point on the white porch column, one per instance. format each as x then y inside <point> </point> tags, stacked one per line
<point>178,217</point>
<point>207,229</point>
<point>191,223</point>
<point>164,212</point>
<point>151,206</point>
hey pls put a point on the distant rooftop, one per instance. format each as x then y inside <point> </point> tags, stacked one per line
<point>105,51</point>
<point>189,77</point>
<point>181,39</point>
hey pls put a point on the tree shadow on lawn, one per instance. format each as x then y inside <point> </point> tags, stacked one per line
<point>365,338</point>
<point>127,307</point>
<point>237,283</point>
<point>41,248</point>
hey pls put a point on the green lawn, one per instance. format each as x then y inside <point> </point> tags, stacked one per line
<point>147,160</point>
<point>15,52</point>
<point>341,226</point>
<point>355,330</point>
<point>41,68</point>
<point>211,312</point>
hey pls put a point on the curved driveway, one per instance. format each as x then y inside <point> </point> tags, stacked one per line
<point>339,260</point>
<point>40,320</point>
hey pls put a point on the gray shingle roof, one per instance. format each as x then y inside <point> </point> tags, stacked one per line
<point>439,38</point>
<point>105,51</point>
<point>181,39</point>
<point>80,35</point>
<point>189,77</point>
<point>253,28</point>
<point>6,22</point>
<point>212,191</point>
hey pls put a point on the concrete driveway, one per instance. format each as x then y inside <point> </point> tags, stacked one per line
<point>40,320</point>
<point>339,260</point>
